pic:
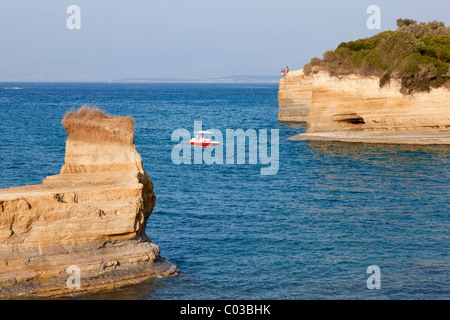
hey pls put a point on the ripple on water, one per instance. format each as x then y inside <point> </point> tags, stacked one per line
<point>309,232</point>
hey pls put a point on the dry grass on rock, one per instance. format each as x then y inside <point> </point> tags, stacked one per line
<point>90,124</point>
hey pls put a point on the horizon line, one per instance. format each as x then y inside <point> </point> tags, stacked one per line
<point>221,79</point>
<point>133,81</point>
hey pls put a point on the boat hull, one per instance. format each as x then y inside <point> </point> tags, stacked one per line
<point>204,144</point>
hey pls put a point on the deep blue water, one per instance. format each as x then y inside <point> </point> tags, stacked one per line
<point>308,232</point>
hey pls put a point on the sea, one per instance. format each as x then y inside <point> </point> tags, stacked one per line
<point>336,220</point>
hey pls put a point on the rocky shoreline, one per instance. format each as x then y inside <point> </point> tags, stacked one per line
<point>416,138</point>
<point>355,109</point>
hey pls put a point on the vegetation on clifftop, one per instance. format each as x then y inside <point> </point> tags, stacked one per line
<point>416,53</point>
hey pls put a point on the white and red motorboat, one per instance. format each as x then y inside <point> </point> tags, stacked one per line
<point>203,139</point>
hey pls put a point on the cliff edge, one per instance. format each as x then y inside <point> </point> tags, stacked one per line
<point>393,87</point>
<point>294,96</point>
<point>87,222</point>
<point>354,108</point>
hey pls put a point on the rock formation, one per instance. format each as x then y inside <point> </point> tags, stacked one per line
<point>355,108</point>
<point>90,218</point>
<point>294,96</point>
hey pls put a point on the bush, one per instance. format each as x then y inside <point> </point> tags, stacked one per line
<point>416,53</point>
<point>307,68</point>
<point>385,79</point>
<point>405,22</point>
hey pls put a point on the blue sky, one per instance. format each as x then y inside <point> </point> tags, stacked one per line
<point>190,39</point>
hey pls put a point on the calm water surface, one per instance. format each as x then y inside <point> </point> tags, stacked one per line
<point>308,232</point>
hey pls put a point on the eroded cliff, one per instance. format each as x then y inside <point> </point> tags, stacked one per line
<point>294,96</point>
<point>91,217</point>
<point>355,108</point>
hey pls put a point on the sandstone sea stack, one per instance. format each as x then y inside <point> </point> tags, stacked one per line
<point>91,217</point>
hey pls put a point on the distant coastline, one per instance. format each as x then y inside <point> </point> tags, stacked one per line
<point>225,79</point>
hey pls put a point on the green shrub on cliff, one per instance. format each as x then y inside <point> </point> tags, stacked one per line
<point>416,53</point>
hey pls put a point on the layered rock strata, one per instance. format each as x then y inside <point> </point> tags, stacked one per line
<point>294,96</point>
<point>354,108</point>
<point>83,230</point>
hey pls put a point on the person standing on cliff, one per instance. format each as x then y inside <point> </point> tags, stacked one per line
<point>282,72</point>
<point>287,70</point>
